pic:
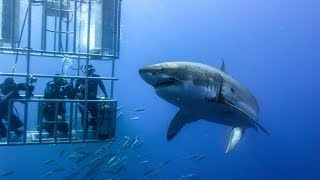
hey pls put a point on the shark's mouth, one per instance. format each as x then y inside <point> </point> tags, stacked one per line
<point>167,82</point>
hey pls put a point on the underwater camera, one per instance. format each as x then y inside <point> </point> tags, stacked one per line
<point>29,87</point>
<point>26,87</point>
<point>10,85</point>
<point>32,80</point>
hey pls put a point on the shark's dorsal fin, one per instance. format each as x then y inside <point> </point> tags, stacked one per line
<point>235,137</point>
<point>253,119</point>
<point>180,119</point>
<point>222,68</point>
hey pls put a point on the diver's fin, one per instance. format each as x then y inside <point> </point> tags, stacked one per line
<point>180,119</point>
<point>235,137</point>
<point>254,121</point>
<point>222,68</point>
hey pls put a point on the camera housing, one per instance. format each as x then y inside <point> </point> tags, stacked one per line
<point>26,87</point>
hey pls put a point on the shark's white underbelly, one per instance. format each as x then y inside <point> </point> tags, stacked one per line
<point>194,100</point>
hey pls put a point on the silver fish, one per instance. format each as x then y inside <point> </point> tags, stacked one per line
<point>144,162</point>
<point>190,176</point>
<point>138,109</point>
<point>200,157</point>
<point>54,172</point>
<point>73,155</point>
<point>50,173</point>
<point>164,163</point>
<point>48,161</point>
<point>135,142</point>
<point>119,115</point>
<point>109,142</point>
<point>126,143</point>
<point>115,163</point>
<point>155,172</point>
<point>192,156</point>
<point>8,173</point>
<point>117,171</point>
<point>150,173</point>
<point>139,145</point>
<point>98,159</point>
<point>98,151</point>
<point>135,118</point>
<point>112,159</point>
<point>123,158</point>
<point>97,164</point>
<point>52,145</point>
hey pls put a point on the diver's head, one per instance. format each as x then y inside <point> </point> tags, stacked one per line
<point>59,81</point>
<point>7,86</point>
<point>90,70</point>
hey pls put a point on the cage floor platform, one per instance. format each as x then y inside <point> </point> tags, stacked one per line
<point>33,138</point>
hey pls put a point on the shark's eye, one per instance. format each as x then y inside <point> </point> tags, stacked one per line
<point>232,90</point>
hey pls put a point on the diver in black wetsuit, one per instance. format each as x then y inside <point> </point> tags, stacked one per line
<point>57,89</point>
<point>92,95</point>
<point>10,90</point>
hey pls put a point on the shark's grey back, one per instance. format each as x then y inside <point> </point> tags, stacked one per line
<point>232,90</point>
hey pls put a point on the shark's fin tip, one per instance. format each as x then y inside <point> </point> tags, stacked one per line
<point>235,137</point>
<point>170,136</point>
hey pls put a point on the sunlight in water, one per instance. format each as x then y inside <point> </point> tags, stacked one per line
<point>95,26</point>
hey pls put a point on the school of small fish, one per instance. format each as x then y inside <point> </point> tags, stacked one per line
<point>108,159</point>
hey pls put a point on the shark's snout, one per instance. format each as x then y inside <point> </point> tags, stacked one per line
<point>153,69</point>
<point>144,70</point>
<point>157,76</point>
<point>147,74</point>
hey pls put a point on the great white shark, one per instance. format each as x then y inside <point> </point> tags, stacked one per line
<point>204,92</point>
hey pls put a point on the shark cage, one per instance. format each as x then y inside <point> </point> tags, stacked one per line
<point>64,31</point>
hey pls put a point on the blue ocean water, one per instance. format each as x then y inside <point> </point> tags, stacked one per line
<point>271,47</point>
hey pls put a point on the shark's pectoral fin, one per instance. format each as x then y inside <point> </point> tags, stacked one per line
<point>253,119</point>
<point>180,119</point>
<point>235,137</point>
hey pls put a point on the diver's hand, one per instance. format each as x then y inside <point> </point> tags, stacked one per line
<point>48,107</point>
<point>101,97</point>
<point>21,87</point>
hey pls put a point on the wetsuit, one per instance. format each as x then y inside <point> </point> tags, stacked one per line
<point>92,95</point>
<point>15,122</point>
<point>56,91</point>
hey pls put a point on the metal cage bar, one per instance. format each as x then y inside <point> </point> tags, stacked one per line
<point>104,114</point>
<point>68,35</point>
<point>53,14</point>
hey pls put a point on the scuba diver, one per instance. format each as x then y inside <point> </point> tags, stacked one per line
<point>59,88</point>
<point>10,90</point>
<point>92,107</point>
